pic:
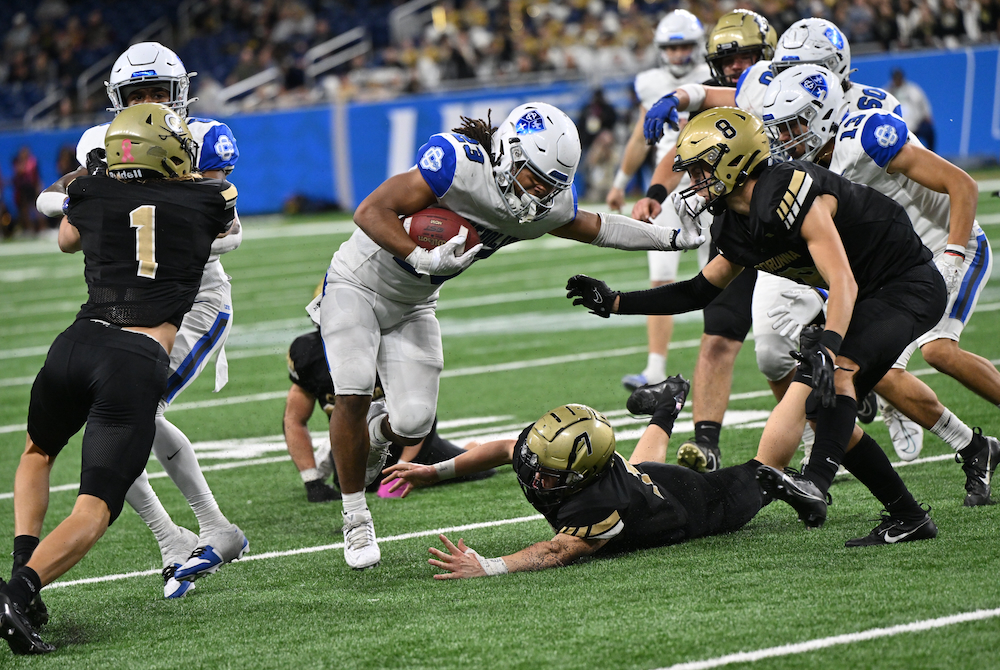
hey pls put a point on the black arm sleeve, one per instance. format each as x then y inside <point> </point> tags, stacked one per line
<point>676,298</point>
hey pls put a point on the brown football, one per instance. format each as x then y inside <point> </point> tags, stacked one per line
<point>434,226</point>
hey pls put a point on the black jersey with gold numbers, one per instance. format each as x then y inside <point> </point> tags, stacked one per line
<point>307,367</point>
<point>876,232</point>
<point>623,505</point>
<point>145,244</point>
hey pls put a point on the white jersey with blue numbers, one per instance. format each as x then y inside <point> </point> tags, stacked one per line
<point>461,177</point>
<point>216,151</point>
<point>653,84</point>
<point>866,142</point>
<point>752,86</point>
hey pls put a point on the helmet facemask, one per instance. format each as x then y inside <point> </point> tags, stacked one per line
<point>716,188</point>
<point>176,87</point>
<point>525,206</point>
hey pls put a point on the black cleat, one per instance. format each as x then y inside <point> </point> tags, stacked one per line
<point>17,630</point>
<point>37,612</point>
<point>894,531</point>
<point>979,468</point>
<point>868,408</point>
<point>791,487</point>
<point>645,399</point>
<point>318,491</point>
<point>699,457</point>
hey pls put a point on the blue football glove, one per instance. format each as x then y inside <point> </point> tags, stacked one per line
<point>663,111</point>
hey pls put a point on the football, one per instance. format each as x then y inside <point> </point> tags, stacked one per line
<point>434,226</point>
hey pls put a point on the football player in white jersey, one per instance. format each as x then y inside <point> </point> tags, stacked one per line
<point>376,312</point>
<point>680,38</point>
<point>874,147</point>
<point>150,72</point>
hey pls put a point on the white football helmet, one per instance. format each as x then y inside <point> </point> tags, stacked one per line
<point>816,41</point>
<point>541,138</point>
<point>805,104</point>
<point>680,27</point>
<point>147,64</point>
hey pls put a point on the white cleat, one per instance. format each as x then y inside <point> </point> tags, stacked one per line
<point>217,550</point>
<point>174,556</point>
<point>378,450</point>
<point>360,547</point>
<point>907,435</point>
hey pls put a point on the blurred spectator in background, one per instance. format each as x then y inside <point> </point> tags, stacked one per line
<point>27,186</point>
<point>66,160</point>
<point>6,221</point>
<point>916,108</point>
<point>597,137</point>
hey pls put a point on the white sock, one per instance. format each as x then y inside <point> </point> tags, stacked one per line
<point>354,502</point>
<point>141,497</point>
<point>174,451</point>
<point>656,368</point>
<point>310,475</point>
<point>952,430</point>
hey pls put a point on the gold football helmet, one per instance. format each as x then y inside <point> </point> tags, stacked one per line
<point>728,144</point>
<point>737,32</point>
<point>566,450</point>
<point>149,140</point>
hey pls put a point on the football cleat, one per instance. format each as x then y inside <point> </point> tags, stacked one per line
<point>700,457</point>
<point>18,631</point>
<point>893,531</point>
<point>803,495</point>
<point>868,408</point>
<point>218,550</point>
<point>173,588</point>
<point>907,435</point>
<point>378,450</point>
<point>360,547</point>
<point>979,468</point>
<point>632,382</point>
<point>645,399</point>
<point>318,491</point>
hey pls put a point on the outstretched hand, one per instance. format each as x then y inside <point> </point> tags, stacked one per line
<point>410,475</point>
<point>460,561</point>
<point>663,111</point>
<point>593,294</point>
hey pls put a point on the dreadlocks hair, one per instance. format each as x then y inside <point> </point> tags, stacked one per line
<point>480,131</point>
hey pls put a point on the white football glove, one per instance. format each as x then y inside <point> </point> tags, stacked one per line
<point>950,266</point>
<point>803,307</point>
<point>443,260</point>
<point>689,235</point>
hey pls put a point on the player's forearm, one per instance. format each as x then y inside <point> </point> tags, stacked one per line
<point>484,456</point>
<point>840,304</point>
<point>68,237</point>
<point>673,298</point>
<point>634,155</point>
<point>299,443</point>
<point>664,173</point>
<point>963,194</point>
<point>551,554</point>
<point>385,229</point>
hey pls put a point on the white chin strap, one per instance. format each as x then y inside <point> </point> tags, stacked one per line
<point>523,207</point>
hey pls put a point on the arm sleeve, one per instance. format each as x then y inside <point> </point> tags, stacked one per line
<point>676,298</point>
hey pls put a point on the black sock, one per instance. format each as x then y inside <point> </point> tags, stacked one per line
<point>23,587</point>
<point>834,426</point>
<point>707,432</point>
<point>868,462</point>
<point>24,547</point>
<point>664,417</point>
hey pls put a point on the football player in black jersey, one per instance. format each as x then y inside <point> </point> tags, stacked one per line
<point>312,384</point>
<point>739,39</point>
<point>146,230</point>
<point>597,502</point>
<point>803,222</point>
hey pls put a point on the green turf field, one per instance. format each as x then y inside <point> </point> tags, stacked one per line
<point>514,348</point>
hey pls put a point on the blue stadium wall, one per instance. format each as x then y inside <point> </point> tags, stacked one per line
<point>341,152</point>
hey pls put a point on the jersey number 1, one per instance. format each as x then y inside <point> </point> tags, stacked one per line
<point>143,219</point>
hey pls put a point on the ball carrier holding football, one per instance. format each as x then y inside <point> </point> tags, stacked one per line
<point>377,310</point>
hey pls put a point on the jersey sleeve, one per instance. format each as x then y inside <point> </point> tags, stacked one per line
<point>228,193</point>
<point>436,161</point>
<point>752,86</point>
<point>882,137</point>
<point>91,139</point>
<point>218,150</point>
<point>782,204</point>
<point>590,518</point>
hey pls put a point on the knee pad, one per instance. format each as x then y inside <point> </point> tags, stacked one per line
<point>411,419</point>
<point>773,357</point>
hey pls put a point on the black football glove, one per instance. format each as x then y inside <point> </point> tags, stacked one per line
<point>592,293</point>
<point>96,165</point>
<point>817,360</point>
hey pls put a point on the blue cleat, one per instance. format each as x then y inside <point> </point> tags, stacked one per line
<point>217,551</point>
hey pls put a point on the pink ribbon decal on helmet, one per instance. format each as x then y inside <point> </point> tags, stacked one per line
<point>127,151</point>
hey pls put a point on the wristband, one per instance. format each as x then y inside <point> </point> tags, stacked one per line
<point>491,566</point>
<point>823,293</point>
<point>621,180</point>
<point>831,341</point>
<point>445,469</point>
<point>657,192</point>
<point>51,203</point>
<point>955,250</point>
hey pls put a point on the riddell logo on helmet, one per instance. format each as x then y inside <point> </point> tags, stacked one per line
<point>135,173</point>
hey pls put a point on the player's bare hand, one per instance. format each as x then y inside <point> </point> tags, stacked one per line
<point>615,199</point>
<point>458,562</point>
<point>646,209</point>
<point>411,474</point>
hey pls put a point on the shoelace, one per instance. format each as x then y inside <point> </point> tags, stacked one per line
<point>357,536</point>
<point>168,573</point>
